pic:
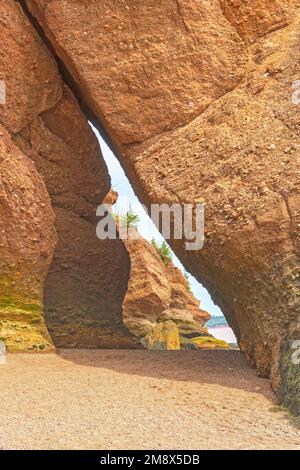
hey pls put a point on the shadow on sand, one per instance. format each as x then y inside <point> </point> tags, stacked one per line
<point>226,368</point>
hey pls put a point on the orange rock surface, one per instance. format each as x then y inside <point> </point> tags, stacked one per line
<point>200,101</point>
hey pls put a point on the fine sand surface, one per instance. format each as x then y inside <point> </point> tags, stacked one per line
<point>138,400</point>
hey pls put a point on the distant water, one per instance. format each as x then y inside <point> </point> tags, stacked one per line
<point>223,332</point>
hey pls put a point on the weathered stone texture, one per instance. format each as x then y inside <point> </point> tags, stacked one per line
<point>27,240</point>
<point>46,123</point>
<point>157,294</point>
<point>197,97</point>
<point>138,61</point>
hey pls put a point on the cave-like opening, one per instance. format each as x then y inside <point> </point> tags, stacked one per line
<point>128,200</point>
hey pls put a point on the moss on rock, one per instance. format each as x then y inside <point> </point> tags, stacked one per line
<point>203,342</point>
<point>164,336</point>
<point>289,392</point>
<point>15,306</point>
<point>22,326</point>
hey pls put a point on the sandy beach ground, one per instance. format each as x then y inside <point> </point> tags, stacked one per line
<point>139,400</point>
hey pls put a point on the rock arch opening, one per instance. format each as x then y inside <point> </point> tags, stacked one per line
<point>128,201</point>
<point>221,126</point>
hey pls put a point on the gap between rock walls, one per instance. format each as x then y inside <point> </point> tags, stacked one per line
<point>255,293</point>
<point>50,294</point>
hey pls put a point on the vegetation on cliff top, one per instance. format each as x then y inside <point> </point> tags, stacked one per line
<point>129,219</point>
<point>163,250</point>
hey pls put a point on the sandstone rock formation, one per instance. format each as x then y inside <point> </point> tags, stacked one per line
<point>164,336</point>
<point>158,308</point>
<point>148,293</point>
<point>126,54</point>
<point>184,308</point>
<point>255,18</point>
<point>197,98</point>
<point>27,240</point>
<point>87,280</point>
<point>85,286</point>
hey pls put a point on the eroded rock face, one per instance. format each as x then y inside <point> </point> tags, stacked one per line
<point>138,61</point>
<point>184,308</point>
<point>27,240</point>
<point>158,308</point>
<point>32,80</point>
<point>248,175</point>
<point>148,293</point>
<point>256,18</point>
<point>85,287</point>
<point>198,99</point>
